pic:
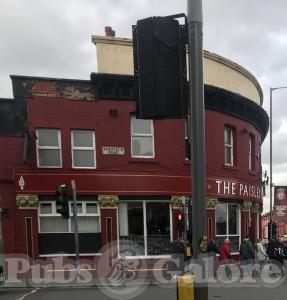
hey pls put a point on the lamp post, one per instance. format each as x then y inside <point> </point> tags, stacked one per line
<point>271,175</point>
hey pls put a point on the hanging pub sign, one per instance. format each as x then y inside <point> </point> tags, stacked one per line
<point>280,213</point>
<point>280,195</point>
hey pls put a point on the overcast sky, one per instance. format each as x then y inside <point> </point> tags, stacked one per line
<point>53,39</point>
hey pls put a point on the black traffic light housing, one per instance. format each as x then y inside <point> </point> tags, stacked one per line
<point>159,46</point>
<point>62,202</point>
<point>180,221</point>
<point>272,227</point>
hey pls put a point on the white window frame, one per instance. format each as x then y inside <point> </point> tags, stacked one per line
<point>51,215</point>
<point>227,235</point>
<point>230,146</point>
<point>93,148</point>
<point>55,214</point>
<point>48,147</point>
<point>144,202</point>
<point>133,117</point>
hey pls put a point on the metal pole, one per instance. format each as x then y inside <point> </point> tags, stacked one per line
<point>184,218</point>
<point>75,214</point>
<point>196,92</point>
<point>2,259</point>
<point>271,177</point>
<point>271,159</point>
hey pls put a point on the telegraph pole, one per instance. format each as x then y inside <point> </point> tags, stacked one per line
<point>196,92</point>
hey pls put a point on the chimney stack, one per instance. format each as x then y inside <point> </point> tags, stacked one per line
<point>109,31</point>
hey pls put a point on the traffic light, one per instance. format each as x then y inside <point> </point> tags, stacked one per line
<point>272,230</point>
<point>159,45</point>
<point>62,202</point>
<point>180,222</point>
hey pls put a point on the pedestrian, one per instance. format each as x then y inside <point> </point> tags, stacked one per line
<point>276,253</point>
<point>212,251</point>
<point>260,253</point>
<point>225,256</point>
<point>178,256</point>
<point>247,257</point>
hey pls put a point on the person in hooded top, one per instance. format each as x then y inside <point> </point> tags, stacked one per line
<point>247,256</point>
<point>260,253</point>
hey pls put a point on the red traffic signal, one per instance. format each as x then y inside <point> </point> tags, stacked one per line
<point>180,221</point>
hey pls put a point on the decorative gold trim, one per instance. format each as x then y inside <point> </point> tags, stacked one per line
<point>108,201</point>
<point>27,201</point>
<point>246,205</point>
<point>211,203</point>
<point>255,208</point>
<point>176,202</point>
<point>203,244</point>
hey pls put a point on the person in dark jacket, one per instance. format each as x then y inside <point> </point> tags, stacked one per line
<point>212,251</point>
<point>178,255</point>
<point>246,256</point>
<point>276,253</point>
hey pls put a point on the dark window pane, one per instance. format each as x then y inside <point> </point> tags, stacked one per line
<point>227,135</point>
<point>157,218</point>
<point>234,243</point>
<point>158,228</point>
<point>131,228</point>
<point>227,155</point>
<point>221,219</point>
<point>232,219</point>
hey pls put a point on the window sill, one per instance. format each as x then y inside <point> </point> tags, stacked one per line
<point>40,167</point>
<point>72,254</point>
<point>83,168</point>
<point>143,160</point>
<point>232,168</point>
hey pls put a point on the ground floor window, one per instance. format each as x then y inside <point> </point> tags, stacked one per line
<point>56,234</point>
<point>147,224</point>
<point>228,224</point>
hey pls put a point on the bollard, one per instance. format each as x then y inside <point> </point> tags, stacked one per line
<point>185,287</point>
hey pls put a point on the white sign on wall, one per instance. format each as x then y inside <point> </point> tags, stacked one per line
<point>113,150</point>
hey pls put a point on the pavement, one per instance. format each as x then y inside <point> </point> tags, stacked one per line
<point>166,292</point>
<point>260,287</point>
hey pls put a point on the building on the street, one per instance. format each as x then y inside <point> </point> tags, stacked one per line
<point>265,219</point>
<point>279,213</point>
<point>132,175</point>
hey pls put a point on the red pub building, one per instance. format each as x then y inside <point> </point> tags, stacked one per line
<point>132,176</point>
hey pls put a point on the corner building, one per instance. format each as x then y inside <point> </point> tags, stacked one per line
<point>131,175</point>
